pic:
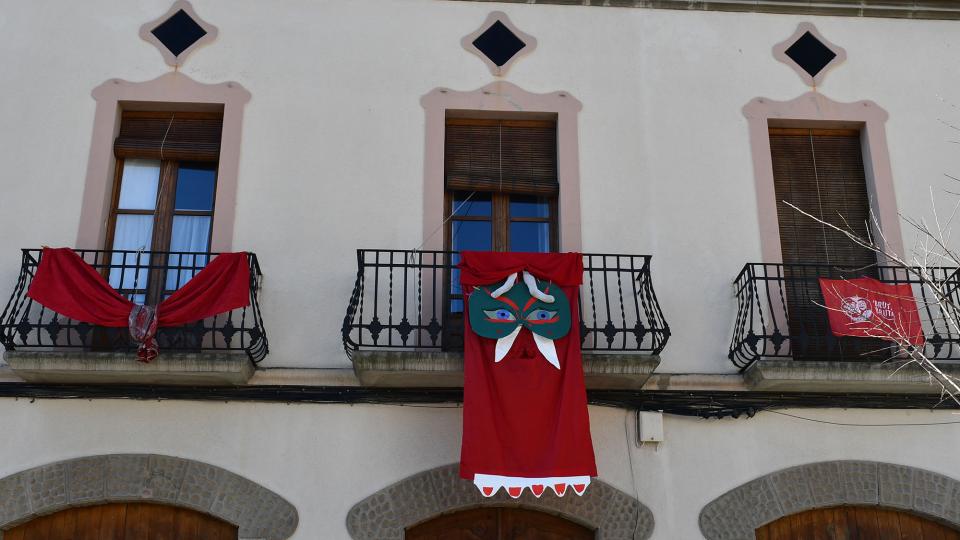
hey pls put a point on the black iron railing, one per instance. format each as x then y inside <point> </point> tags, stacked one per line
<point>780,314</point>
<point>141,276</point>
<point>411,300</point>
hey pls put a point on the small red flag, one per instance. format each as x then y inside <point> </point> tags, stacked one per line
<point>865,307</point>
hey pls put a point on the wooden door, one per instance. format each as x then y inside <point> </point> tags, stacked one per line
<point>499,524</point>
<point>855,523</point>
<point>124,521</point>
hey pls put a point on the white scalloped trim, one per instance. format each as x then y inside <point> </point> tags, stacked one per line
<point>489,484</point>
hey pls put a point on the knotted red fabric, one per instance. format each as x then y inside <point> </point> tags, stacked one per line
<point>66,284</point>
<point>865,307</point>
<point>525,422</point>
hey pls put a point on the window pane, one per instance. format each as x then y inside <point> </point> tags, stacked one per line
<point>133,232</point>
<point>195,186</point>
<point>527,236</point>
<point>471,236</point>
<point>128,270</point>
<point>455,287</point>
<point>529,206</point>
<point>138,185</point>
<point>466,205</point>
<point>456,304</point>
<point>468,236</point>
<point>192,234</point>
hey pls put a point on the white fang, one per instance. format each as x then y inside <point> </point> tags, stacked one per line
<point>547,348</point>
<point>504,344</point>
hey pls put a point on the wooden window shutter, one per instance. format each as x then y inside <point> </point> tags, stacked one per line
<point>820,172</point>
<point>510,156</point>
<point>168,135</point>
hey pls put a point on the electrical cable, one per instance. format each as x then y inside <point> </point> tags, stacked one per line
<point>860,425</point>
<point>633,473</point>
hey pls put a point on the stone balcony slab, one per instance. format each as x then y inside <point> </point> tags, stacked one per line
<point>79,367</point>
<point>849,377</point>
<point>434,369</point>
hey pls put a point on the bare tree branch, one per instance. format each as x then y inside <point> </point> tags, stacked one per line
<point>931,251</point>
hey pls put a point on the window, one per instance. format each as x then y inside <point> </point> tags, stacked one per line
<point>164,198</point>
<point>501,190</point>
<point>501,184</point>
<point>821,172</point>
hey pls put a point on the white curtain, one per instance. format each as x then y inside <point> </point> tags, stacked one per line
<point>190,233</point>
<point>138,187</point>
<point>133,232</point>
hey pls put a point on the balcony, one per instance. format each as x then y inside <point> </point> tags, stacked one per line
<point>404,322</point>
<point>782,338</point>
<point>44,346</point>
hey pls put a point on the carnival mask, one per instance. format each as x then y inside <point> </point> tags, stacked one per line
<point>537,305</point>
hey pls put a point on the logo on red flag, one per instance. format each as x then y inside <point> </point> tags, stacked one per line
<point>865,307</point>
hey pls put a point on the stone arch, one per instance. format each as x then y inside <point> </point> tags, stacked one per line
<point>737,513</point>
<point>255,510</point>
<point>387,513</point>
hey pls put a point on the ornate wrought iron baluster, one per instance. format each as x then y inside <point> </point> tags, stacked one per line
<point>608,329</point>
<point>623,315</point>
<point>639,327</point>
<point>404,327</point>
<point>390,326</point>
<point>419,339</point>
<point>593,305</point>
<point>374,327</point>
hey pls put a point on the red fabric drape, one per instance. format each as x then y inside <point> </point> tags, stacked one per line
<point>865,307</point>
<point>485,268</point>
<point>66,284</point>
<point>524,419</point>
<point>223,285</point>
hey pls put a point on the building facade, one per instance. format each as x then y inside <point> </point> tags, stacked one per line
<point>353,147</point>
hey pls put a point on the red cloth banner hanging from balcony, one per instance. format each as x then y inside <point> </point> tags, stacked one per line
<point>525,421</point>
<point>66,284</point>
<point>865,307</point>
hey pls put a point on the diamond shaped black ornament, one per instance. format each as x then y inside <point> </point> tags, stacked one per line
<point>404,328</point>
<point>434,329</point>
<point>228,331</point>
<point>178,32</point>
<point>810,54</point>
<point>24,328</point>
<point>53,329</point>
<point>498,43</point>
<point>375,327</point>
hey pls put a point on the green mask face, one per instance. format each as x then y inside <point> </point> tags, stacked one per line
<point>498,318</point>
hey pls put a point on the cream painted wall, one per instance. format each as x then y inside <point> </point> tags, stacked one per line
<point>332,155</point>
<point>325,458</point>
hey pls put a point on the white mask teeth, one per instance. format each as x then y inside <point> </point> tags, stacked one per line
<point>547,349</point>
<point>534,291</point>
<point>514,486</point>
<point>504,344</point>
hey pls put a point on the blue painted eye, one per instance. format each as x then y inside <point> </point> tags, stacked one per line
<point>541,315</point>
<point>499,314</point>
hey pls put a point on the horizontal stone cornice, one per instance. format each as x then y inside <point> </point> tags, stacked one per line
<point>930,9</point>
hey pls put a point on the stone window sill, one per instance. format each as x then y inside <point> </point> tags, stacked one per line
<point>75,367</point>
<point>422,369</point>
<point>851,377</point>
